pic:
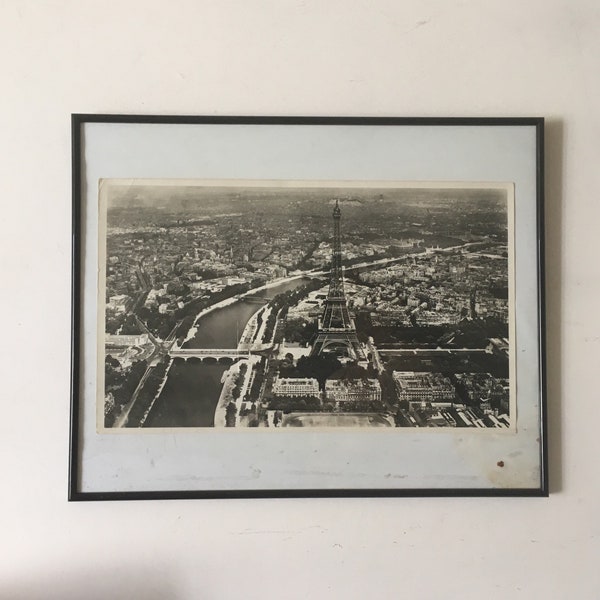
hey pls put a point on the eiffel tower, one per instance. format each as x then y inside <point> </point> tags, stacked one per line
<point>337,332</point>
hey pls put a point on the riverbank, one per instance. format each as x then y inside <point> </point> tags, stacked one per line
<point>251,338</point>
<point>229,381</point>
<point>158,393</point>
<point>228,301</point>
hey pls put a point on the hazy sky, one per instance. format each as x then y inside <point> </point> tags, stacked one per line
<point>179,197</point>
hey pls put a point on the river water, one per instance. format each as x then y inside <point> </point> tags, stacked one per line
<point>192,390</point>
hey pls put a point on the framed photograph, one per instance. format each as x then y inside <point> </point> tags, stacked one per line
<point>287,306</point>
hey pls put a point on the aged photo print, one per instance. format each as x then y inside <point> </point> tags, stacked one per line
<point>278,305</point>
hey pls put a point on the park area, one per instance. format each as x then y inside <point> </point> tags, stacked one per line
<point>335,420</point>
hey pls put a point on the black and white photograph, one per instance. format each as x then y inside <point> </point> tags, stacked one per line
<point>305,304</point>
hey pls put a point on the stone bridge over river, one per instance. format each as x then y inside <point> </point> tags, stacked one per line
<point>214,353</point>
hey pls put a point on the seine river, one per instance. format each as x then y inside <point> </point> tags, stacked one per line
<point>192,390</point>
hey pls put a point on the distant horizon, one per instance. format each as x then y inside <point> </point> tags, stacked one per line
<point>184,196</point>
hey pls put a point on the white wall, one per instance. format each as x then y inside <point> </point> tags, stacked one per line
<point>366,57</point>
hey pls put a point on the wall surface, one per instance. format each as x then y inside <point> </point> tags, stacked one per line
<point>375,57</point>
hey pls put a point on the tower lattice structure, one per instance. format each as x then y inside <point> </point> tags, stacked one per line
<point>337,331</point>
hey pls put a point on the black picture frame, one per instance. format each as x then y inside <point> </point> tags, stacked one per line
<point>81,207</point>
